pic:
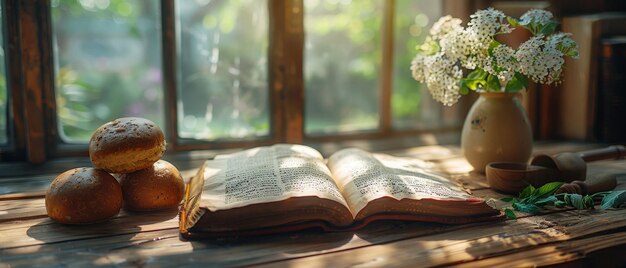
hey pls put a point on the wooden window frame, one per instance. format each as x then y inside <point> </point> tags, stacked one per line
<point>34,133</point>
<point>13,145</point>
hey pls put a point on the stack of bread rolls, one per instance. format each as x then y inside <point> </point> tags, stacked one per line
<point>131,148</point>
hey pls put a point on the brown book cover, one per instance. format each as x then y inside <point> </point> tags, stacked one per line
<point>286,187</point>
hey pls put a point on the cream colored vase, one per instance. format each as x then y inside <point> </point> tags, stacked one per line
<point>496,129</point>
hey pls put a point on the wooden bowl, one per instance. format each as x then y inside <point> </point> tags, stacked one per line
<point>513,177</point>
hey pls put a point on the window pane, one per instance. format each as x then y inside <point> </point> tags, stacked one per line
<point>222,59</point>
<point>412,105</point>
<point>108,63</point>
<point>4,95</point>
<point>342,59</point>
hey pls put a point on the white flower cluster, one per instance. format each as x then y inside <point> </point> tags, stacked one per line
<point>444,26</point>
<point>505,59</point>
<point>540,59</point>
<point>487,23</point>
<point>450,48</point>
<point>538,16</point>
<point>441,76</point>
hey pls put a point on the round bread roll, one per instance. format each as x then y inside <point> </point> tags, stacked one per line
<point>83,195</point>
<point>158,187</point>
<point>126,145</point>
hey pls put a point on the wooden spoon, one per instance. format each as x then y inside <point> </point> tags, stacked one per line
<point>573,166</point>
<point>594,184</point>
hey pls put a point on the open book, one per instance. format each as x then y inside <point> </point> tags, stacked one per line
<point>288,187</point>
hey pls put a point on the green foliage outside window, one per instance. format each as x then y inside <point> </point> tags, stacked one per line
<point>343,53</point>
<point>409,107</point>
<point>223,69</point>
<point>107,63</point>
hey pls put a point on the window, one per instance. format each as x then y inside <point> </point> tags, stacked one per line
<point>107,62</point>
<point>412,106</point>
<point>221,73</point>
<point>223,69</point>
<point>343,52</point>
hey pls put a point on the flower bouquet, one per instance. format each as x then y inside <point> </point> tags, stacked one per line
<point>454,59</point>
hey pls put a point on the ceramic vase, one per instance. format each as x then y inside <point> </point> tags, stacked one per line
<point>496,129</point>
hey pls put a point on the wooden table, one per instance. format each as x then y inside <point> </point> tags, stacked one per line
<point>28,238</point>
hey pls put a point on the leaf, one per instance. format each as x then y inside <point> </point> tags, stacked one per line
<point>527,191</point>
<point>463,89</point>
<point>522,78</point>
<point>549,200</point>
<point>510,214</point>
<point>493,82</point>
<point>572,53</point>
<point>475,80</point>
<point>575,200</point>
<point>587,201</point>
<point>527,208</point>
<point>560,204</point>
<point>549,28</point>
<point>599,195</point>
<point>507,199</point>
<point>513,85</point>
<point>477,74</point>
<point>614,199</point>
<point>547,189</point>
<point>512,21</point>
<point>492,46</point>
<point>474,84</point>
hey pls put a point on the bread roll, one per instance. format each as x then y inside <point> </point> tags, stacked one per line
<point>158,187</point>
<point>83,195</point>
<point>126,145</point>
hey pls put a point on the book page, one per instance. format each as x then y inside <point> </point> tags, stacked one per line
<point>267,174</point>
<point>363,177</point>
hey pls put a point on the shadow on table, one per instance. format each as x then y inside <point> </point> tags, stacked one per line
<point>52,243</point>
<point>49,231</point>
<point>321,239</point>
<point>392,230</point>
<point>242,251</point>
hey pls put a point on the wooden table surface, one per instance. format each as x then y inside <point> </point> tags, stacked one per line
<point>28,238</point>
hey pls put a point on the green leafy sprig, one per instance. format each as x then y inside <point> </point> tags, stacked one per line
<point>480,79</point>
<point>535,27</point>
<point>535,200</point>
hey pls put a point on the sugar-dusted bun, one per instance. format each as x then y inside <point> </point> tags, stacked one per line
<point>126,145</point>
<point>158,187</point>
<point>83,195</point>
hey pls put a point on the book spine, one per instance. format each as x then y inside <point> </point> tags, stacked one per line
<point>611,93</point>
<point>578,80</point>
